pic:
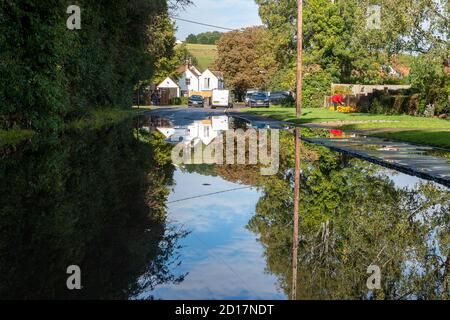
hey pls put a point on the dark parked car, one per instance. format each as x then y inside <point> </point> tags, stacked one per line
<point>196,101</point>
<point>281,98</point>
<point>259,99</point>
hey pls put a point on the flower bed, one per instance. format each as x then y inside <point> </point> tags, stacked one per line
<point>345,109</point>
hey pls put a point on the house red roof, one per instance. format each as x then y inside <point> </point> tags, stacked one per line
<point>192,69</point>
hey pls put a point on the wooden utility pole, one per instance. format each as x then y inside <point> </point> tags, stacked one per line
<point>299,57</point>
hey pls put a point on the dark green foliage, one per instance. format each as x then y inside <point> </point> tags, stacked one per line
<point>429,79</point>
<point>204,38</point>
<point>50,74</point>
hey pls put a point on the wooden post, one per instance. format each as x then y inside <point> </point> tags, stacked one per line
<point>299,57</point>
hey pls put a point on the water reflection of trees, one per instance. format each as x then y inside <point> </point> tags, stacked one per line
<point>94,199</point>
<point>351,216</point>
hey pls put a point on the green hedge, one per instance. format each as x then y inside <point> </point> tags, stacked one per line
<point>50,74</point>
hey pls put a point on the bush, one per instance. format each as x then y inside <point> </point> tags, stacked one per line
<point>183,101</point>
<point>429,79</point>
<point>175,101</point>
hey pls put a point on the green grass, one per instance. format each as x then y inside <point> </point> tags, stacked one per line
<point>204,53</point>
<point>429,131</point>
<point>320,115</point>
<point>14,137</point>
<point>95,120</point>
<point>434,138</point>
<point>101,118</point>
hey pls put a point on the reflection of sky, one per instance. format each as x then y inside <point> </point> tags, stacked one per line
<point>223,259</point>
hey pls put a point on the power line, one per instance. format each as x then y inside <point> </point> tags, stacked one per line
<point>202,24</point>
<point>209,194</point>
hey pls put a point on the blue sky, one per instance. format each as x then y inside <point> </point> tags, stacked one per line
<point>225,13</point>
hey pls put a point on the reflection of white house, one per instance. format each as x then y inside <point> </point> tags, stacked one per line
<point>204,130</point>
<point>211,80</point>
<point>167,132</point>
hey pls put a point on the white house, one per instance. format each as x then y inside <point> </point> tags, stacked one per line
<point>211,80</point>
<point>189,79</point>
<point>171,86</point>
<point>192,80</point>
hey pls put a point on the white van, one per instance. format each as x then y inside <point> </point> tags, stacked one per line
<point>221,98</point>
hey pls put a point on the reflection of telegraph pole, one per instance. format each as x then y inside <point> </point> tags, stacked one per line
<point>299,57</point>
<point>297,146</point>
<point>296,213</point>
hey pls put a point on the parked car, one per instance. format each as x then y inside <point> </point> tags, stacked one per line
<point>248,95</point>
<point>259,99</point>
<point>196,101</point>
<point>281,98</point>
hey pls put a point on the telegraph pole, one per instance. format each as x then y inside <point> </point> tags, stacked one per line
<point>299,57</point>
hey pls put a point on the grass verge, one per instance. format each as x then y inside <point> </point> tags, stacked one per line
<point>427,131</point>
<point>101,118</point>
<point>435,138</point>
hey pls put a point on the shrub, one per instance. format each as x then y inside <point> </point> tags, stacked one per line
<point>183,101</point>
<point>429,79</point>
<point>175,101</point>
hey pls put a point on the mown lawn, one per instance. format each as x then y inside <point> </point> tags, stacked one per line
<point>320,115</point>
<point>434,138</point>
<point>430,131</point>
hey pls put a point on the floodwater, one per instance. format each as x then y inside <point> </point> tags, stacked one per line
<point>140,227</point>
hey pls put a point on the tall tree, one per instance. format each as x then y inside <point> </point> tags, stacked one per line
<point>243,58</point>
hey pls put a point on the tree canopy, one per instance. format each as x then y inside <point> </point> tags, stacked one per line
<point>244,58</point>
<point>204,38</point>
<point>340,47</point>
<point>51,74</point>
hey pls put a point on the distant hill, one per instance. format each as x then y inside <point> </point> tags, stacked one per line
<point>204,53</point>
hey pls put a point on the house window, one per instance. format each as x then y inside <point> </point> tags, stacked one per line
<point>207,83</point>
<point>188,81</point>
<point>206,132</point>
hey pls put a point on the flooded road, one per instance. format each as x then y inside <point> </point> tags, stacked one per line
<point>353,214</point>
<point>141,226</point>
